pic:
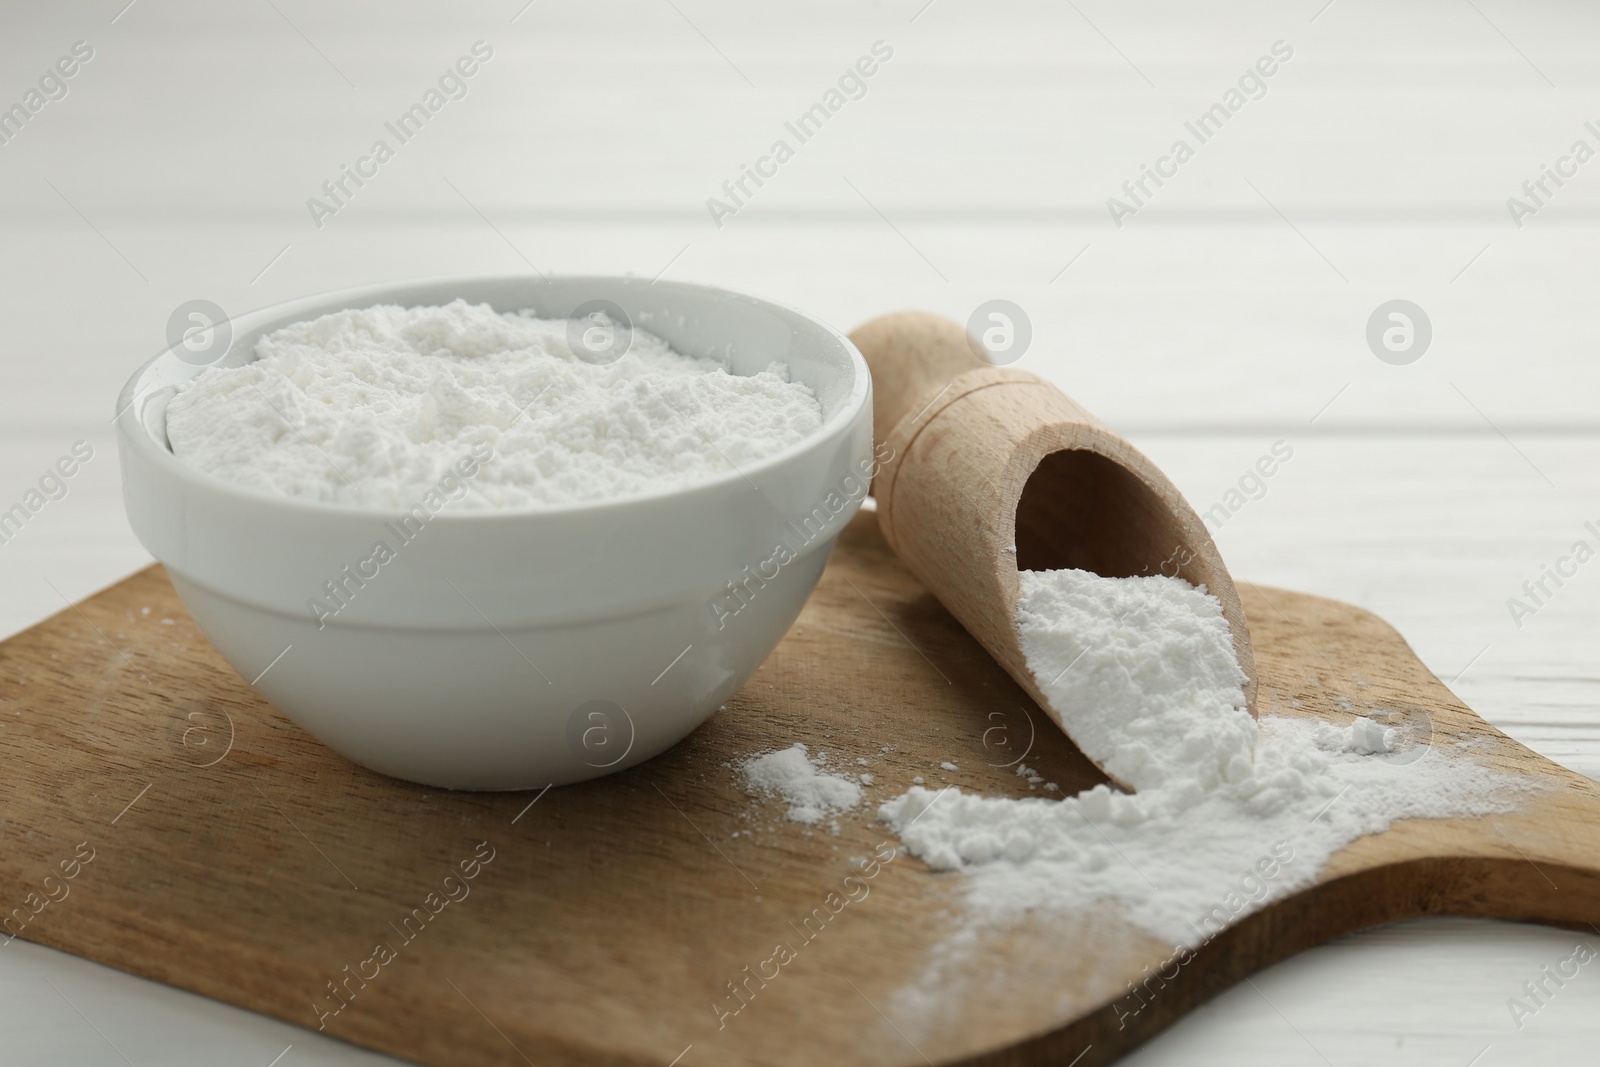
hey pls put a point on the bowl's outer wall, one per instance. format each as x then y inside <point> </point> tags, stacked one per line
<point>480,710</point>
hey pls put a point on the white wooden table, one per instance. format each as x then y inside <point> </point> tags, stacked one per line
<point>1227,313</point>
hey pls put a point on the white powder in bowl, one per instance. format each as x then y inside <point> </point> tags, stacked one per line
<point>373,407</point>
<point>1148,684</point>
<point>812,794</point>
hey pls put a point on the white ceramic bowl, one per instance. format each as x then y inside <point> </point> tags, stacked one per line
<point>514,648</point>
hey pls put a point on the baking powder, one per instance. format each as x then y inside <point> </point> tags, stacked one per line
<point>372,406</point>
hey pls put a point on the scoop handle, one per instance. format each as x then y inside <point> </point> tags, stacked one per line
<point>912,354</point>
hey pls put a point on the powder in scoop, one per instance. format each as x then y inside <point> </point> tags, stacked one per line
<point>374,406</point>
<point>1142,673</point>
<point>812,794</point>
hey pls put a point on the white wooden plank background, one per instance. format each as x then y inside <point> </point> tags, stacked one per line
<point>1226,315</point>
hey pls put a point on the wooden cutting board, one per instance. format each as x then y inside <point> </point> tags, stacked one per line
<point>161,818</point>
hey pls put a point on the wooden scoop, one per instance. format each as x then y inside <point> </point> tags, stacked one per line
<point>994,470</point>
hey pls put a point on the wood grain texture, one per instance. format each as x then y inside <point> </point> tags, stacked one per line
<point>612,915</point>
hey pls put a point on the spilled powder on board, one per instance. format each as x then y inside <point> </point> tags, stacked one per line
<point>1228,814</point>
<point>811,793</point>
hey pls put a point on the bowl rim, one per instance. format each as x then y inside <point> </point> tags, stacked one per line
<point>133,430</point>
